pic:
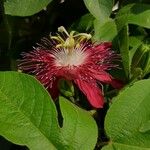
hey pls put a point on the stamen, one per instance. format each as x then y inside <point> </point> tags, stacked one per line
<point>62,29</point>
<point>83,35</point>
<point>71,41</point>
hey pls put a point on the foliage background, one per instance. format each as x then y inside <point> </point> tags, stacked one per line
<point>23,23</point>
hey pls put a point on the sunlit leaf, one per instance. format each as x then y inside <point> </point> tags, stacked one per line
<point>128,115</point>
<point>28,117</point>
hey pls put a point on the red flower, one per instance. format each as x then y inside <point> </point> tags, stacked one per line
<point>72,57</point>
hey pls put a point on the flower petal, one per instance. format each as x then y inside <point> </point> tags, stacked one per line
<point>118,84</point>
<point>93,93</point>
<point>101,76</point>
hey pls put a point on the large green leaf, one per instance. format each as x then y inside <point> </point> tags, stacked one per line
<point>28,117</point>
<point>138,14</point>
<point>100,9</point>
<point>79,129</point>
<point>127,121</point>
<point>24,7</point>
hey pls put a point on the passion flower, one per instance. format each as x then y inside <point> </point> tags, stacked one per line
<point>75,58</point>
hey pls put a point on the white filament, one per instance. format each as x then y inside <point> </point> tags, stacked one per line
<point>74,58</point>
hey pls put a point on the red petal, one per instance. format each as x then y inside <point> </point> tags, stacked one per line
<point>118,84</point>
<point>93,93</point>
<point>101,76</point>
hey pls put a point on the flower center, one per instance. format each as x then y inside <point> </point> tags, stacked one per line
<point>74,58</point>
<point>71,52</point>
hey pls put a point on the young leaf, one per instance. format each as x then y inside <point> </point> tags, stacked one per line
<point>100,9</point>
<point>24,7</point>
<point>106,31</point>
<point>28,117</point>
<point>128,113</point>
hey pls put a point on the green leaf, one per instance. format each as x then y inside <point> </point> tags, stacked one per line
<point>24,7</point>
<point>129,111</point>
<point>26,112</point>
<point>78,126</point>
<point>28,117</point>
<point>123,42</point>
<point>134,42</point>
<point>138,14</point>
<point>106,31</point>
<point>100,9</point>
